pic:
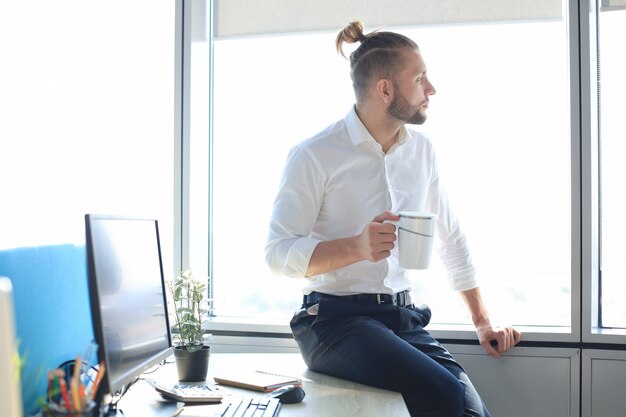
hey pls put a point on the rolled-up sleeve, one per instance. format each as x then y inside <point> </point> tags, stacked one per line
<point>450,240</point>
<point>289,245</point>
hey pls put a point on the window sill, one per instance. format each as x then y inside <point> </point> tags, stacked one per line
<point>606,336</point>
<point>249,325</point>
<point>445,332</point>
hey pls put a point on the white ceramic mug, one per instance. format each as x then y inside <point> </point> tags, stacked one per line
<point>415,232</point>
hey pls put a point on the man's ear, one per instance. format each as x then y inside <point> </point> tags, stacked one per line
<point>384,90</point>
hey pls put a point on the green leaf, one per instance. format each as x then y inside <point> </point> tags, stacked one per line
<point>190,309</point>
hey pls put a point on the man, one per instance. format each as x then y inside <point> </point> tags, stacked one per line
<point>329,226</point>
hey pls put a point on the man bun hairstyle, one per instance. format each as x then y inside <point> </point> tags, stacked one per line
<point>378,55</point>
<point>352,33</point>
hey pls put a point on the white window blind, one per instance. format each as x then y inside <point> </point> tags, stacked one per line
<point>249,18</point>
<point>613,5</point>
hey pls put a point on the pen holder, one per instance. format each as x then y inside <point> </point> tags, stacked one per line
<point>90,411</point>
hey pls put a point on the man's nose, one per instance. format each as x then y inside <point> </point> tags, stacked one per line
<point>431,89</point>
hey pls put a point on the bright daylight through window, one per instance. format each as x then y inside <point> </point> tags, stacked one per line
<point>500,125</point>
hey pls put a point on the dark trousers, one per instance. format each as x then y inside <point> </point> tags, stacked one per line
<point>387,347</point>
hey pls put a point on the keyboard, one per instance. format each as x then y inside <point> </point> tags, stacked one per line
<point>233,406</point>
<point>218,404</point>
<point>250,407</point>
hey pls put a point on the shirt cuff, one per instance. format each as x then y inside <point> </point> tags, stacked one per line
<point>299,257</point>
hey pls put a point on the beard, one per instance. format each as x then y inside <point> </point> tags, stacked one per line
<point>402,110</point>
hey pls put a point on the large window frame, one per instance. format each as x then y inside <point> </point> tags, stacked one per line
<point>592,331</point>
<point>584,328</point>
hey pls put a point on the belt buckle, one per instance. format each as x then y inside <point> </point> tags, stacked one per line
<point>379,300</point>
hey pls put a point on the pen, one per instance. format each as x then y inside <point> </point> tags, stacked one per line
<point>74,382</point>
<point>81,396</point>
<point>74,392</point>
<point>77,367</point>
<point>178,411</point>
<point>66,397</point>
<point>93,389</point>
<point>56,389</point>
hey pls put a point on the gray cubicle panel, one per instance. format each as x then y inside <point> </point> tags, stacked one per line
<point>526,381</point>
<point>604,383</point>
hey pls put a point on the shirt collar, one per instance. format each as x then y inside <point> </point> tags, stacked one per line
<point>358,133</point>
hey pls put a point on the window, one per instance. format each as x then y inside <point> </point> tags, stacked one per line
<point>612,67</point>
<point>87,117</point>
<point>259,113</point>
<point>499,121</point>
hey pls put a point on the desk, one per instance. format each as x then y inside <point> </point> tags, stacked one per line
<point>326,396</point>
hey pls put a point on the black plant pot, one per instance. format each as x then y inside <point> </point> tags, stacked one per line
<point>192,366</point>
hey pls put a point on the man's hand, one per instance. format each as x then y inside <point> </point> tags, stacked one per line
<point>497,341</point>
<point>373,244</point>
<point>377,239</point>
<point>494,341</point>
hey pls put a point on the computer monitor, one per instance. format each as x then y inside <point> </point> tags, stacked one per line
<point>127,295</point>
<point>10,394</point>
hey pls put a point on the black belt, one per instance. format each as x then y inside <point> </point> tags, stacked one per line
<point>401,299</point>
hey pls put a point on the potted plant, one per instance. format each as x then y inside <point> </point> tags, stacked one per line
<point>191,309</point>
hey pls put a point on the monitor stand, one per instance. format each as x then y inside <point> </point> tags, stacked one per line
<point>111,411</point>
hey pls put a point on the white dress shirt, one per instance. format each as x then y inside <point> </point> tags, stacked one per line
<point>335,183</point>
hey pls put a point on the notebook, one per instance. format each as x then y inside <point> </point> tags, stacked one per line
<point>256,380</point>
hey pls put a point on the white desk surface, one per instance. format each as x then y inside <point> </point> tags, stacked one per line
<point>326,396</point>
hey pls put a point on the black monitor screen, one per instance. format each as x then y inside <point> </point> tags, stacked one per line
<point>127,295</point>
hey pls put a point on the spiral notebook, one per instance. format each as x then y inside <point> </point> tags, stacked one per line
<point>256,380</point>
